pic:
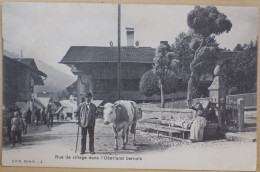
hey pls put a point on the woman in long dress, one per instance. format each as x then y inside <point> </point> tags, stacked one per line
<point>199,122</point>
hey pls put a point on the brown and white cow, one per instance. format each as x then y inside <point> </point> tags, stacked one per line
<point>122,114</point>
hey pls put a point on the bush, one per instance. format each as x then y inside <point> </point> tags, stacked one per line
<point>149,83</point>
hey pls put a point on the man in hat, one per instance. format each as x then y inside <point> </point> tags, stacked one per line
<point>87,116</point>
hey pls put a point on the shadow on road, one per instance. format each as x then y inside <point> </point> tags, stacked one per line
<point>35,134</point>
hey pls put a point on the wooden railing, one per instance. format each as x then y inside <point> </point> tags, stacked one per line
<point>249,98</point>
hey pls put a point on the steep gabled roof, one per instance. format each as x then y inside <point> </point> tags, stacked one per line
<point>27,61</point>
<point>92,54</point>
<point>36,74</point>
<point>73,85</point>
<point>31,63</point>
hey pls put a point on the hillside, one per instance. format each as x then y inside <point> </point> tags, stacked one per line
<point>56,81</point>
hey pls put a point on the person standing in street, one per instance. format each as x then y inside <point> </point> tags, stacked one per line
<point>50,113</point>
<point>38,116</point>
<point>34,117</point>
<point>29,116</point>
<point>43,115</point>
<point>86,112</point>
<point>16,129</point>
<point>9,124</point>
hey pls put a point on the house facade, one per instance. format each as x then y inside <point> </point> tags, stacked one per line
<point>20,75</point>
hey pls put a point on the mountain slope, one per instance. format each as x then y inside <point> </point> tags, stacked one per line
<point>56,81</point>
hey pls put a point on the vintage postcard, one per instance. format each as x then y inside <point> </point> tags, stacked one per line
<point>129,86</point>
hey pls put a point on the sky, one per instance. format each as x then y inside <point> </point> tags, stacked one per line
<point>45,31</point>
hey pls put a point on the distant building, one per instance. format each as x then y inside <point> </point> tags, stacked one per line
<point>53,95</point>
<point>72,89</point>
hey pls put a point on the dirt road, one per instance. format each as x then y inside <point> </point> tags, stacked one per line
<point>63,136</point>
<point>45,146</point>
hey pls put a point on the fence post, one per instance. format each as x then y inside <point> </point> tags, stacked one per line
<point>240,109</point>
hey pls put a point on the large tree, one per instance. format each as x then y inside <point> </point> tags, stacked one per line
<point>204,24</point>
<point>164,63</point>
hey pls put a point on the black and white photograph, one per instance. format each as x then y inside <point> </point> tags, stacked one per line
<point>129,86</point>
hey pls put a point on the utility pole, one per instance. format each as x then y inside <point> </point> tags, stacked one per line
<point>119,53</point>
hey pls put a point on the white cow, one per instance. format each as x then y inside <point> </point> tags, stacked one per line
<point>122,114</point>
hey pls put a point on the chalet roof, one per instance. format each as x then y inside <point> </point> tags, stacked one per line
<point>73,85</point>
<point>87,54</point>
<point>27,61</point>
<point>44,100</point>
<point>94,54</point>
<point>39,102</point>
<point>30,64</point>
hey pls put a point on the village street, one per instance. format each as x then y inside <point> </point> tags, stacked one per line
<point>54,143</point>
<point>62,137</point>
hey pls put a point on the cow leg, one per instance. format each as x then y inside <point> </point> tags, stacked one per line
<point>133,127</point>
<point>123,136</point>
<point>134,143</point>
<point>127,133</point>
<point>116,136</point>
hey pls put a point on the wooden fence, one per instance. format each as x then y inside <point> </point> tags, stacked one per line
<point>249,98</point>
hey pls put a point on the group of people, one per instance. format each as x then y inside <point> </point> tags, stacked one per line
<point>39,114</point>
<point>42,116</point>
<point>17,121</point>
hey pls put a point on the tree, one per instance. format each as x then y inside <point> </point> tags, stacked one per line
<point>183,53</point>
<point>163,62</point>
<point>240,72</point>
<point>238,47</point>
<point>149,84</point>
<point>204,24</point>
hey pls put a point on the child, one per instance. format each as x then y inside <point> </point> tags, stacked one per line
<point>16,129</point>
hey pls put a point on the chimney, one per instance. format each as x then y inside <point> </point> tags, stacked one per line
<point>130,36</point>
<point>164,42</point>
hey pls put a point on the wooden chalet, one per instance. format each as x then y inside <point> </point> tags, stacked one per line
<point>20,75</point>
<point>96,68</point>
